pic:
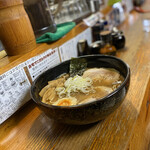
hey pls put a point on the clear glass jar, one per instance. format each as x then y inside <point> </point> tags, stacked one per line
<point>40,16</point>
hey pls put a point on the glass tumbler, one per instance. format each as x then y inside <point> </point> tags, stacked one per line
<point>40,16</point>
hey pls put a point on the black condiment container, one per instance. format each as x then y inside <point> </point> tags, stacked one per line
<point>83,47</point>
<point>96,29</point>
<point>118,39</point>
<point>95,47</point>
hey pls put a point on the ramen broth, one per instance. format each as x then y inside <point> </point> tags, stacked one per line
<point>95,83</point>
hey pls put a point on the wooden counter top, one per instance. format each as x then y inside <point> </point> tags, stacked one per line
<point>127,128</point>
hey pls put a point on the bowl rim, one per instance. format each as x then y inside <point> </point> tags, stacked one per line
<point>88,103</point>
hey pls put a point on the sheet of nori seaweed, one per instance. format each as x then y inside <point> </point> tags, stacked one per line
<point>77,66</point>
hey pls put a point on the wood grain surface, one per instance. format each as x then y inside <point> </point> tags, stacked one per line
<point>16,32</point>
<point>127,128</point>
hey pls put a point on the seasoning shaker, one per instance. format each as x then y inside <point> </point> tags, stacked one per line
<point>83,47</point>
<point>107,48</point>
<point>95,47</point>
<point>118,39</point>
<point>96,29</point>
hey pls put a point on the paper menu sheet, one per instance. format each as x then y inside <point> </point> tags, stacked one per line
<point>14,91</point>
<point>42,62</point>
<point>15,85</point>
<point>86,34</point>
<point>68,50</point>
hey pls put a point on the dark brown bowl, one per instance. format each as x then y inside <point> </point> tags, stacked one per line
<point>84,113</point>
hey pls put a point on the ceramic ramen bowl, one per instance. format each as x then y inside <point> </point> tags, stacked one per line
<point>89,112</point>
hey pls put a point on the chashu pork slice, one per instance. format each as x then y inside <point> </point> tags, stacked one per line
<point>102,76</point>
<point>97,93</point>
<point>100,92</point>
